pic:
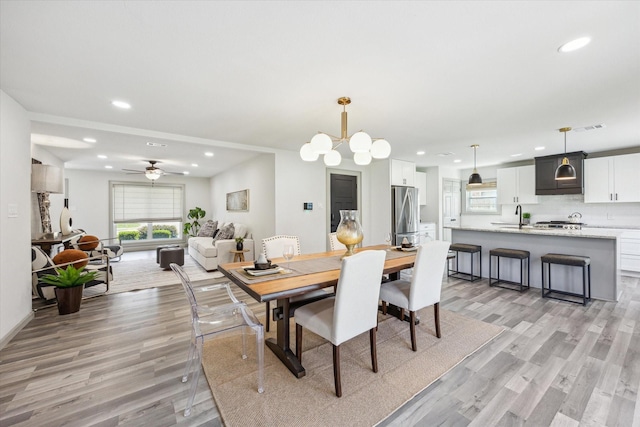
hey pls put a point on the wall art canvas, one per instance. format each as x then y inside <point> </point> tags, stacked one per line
<point>238,201</point>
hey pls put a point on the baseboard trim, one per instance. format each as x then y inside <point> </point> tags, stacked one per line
<point>13,332</point>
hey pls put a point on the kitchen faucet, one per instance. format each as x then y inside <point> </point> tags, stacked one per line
<point>519,210</point>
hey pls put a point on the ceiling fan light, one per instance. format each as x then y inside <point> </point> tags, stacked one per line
<point>153,174</point>
<point>321,143</point>
<point>380,149</point>
<point>565,171</point>
<point>332,158</point>
<point>362,159</point>
<point>307,154</point>
<point>360,142</point>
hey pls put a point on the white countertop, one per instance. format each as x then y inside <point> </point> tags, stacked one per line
<point>597,233</point>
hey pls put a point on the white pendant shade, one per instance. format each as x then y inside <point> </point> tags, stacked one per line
<point>360,142</point>
<point>332,158</point>
<point>307,154</point>
<point>362,159</point>
<point>380,149</point>
<point>321,143</point>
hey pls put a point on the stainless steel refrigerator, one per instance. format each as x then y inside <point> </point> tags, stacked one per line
<point>405,215</point>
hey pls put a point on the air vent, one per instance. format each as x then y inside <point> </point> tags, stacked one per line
<point>156,144</point>
<point>593,127</point>
<point>448,153</point>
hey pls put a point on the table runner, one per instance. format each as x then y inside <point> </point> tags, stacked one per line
<point>308,266</point>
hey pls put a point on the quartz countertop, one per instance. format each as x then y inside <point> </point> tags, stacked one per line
<point>594,233</point>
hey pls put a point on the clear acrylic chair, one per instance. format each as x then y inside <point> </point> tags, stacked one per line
<point>226,315</point>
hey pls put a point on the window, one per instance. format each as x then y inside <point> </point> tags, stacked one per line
<point>147,212</point>
<point>482,198</point>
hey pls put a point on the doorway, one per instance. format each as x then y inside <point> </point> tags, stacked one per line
<point>450,206</point>
<point>343,194</point>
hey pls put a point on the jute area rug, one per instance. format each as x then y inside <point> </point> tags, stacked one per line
<point>367,398</point>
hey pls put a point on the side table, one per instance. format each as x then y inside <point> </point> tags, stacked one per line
<point>238,256</point>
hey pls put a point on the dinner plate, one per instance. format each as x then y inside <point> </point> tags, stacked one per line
<point>411,249</point>
<point>255,272</point>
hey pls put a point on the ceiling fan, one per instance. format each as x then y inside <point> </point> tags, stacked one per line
<point>152,172</point>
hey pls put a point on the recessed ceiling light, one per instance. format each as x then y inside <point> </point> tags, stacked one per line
<point>108,167</point>
<point>539,148</point>
<point>516,155</point>
<point>195,165</point>
<point>102,156</point>
<point>121,104</point>
<point>208,154</point>
<point>91,140</point>
<point>574,44</point>
<point>457,161</point>
<point>186,172</point>
<point>156,144</point>
<point>420,153</point>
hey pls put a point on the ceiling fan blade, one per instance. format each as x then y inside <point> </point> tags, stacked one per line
<point>132,170</point>
<point>173,173</point>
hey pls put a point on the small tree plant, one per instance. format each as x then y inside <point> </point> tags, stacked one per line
<point>191,228</point>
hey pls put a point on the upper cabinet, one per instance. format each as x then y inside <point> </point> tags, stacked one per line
<point>403,173</point>
<point>517,185</point>
<point>546,183</point>
<point>612,179</point>
<point>421,185</point>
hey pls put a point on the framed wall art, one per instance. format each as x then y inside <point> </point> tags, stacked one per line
<point>238,201</point>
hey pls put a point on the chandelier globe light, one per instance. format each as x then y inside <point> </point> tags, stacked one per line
<point>360,143</point>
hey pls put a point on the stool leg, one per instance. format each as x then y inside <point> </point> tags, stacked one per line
<point>528,272</point>
<point>542,285</point>
<point>490,276</point>
<point>589,272</point>
<point>471,256</point>
<point>498,268</point>
<point>521,276</point>
<point>480,261</point>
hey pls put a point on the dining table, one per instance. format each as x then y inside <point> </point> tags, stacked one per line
<point>305,274</point>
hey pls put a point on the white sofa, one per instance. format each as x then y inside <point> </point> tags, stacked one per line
<point>209,255</point>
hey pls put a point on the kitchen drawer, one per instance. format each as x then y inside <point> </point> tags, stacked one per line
<point>631,235</point>
<point>629,247</point>
<point>630,262</point>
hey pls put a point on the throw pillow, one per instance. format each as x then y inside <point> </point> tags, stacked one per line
<point>241,230</point>
<point>88,242</point>
<point>225,233</point>
<point>69,255</point>
<point>208,228</point>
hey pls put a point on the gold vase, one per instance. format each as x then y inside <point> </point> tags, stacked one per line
<point>349,231</point>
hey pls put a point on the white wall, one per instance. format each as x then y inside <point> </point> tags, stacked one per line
<point>257,175</point>
<point>15,233</point>
<point>89,197</point>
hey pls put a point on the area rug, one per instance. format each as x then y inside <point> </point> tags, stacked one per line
<point>367,398</point>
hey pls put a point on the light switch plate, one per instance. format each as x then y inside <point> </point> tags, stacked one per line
<point>12,210</point>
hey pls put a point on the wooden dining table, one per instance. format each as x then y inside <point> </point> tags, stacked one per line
<point>282,287</point>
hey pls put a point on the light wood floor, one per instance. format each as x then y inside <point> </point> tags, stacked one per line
<point>119,362</point>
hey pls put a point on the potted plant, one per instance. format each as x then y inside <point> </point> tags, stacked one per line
<point>191,228</point>
<point>239,243</point>
<point>69,283</point>
<point>526,218</point>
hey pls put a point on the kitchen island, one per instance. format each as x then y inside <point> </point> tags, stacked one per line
<point>601,245</point>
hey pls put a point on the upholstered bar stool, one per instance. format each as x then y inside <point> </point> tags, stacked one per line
<point>571,261</point>
<point>471,250</point>
<point>171,255</point>
<point>513,254</point>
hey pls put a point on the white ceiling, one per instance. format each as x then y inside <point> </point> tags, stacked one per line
<point>216,76</point>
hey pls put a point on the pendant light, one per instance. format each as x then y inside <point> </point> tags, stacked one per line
<point>565,170</point>
<point>475,178</point>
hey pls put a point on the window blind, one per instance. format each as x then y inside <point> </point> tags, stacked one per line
<point>144,203</point>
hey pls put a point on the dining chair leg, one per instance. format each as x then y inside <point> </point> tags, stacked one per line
<point>412,328</point>
<point>190,356</point>
<point>436,316</point>
<point>402,314</point>
<point>374,351</point>
<point>299,342</point>
<point>384,308</point>
<point>336,370</point>
<point>268,316</point>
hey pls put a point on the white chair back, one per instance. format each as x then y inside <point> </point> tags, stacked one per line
<point>356,303</point>
<point>426,282</point>
<point>335,243</point>
<point>272,247</point>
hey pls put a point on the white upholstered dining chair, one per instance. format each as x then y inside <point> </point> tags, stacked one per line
<point>228,316</point>
<point>334,243</point>
<point>423,289</point>
<point>353,310</point>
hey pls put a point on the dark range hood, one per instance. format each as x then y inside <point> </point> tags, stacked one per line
<point>546,166</point>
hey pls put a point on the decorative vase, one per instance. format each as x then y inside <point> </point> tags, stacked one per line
<point>239,246</point>
<point>349,231</point>
<point>69,299</point>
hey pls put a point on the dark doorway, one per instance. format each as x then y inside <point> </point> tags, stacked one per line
<point>344,195</point>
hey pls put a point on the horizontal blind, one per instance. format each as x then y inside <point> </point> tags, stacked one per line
<point>144,203</point>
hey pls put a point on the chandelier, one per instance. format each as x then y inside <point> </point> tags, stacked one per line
<point>361,144</point>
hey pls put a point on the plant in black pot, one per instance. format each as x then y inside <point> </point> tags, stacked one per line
<point>69,283</point>
<point>239,243</point>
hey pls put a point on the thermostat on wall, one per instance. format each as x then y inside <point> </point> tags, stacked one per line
<point>308,206</point>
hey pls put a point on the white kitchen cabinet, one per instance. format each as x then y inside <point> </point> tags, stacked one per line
<point>403,173</point>
<point>612,179</point>
<point>630,251</point>
<point>517,185</point>
<point>421,185</point>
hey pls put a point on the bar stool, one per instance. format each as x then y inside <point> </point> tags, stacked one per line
<point>572,261</point>
<point>471,250</point>
<point>513,254</point>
